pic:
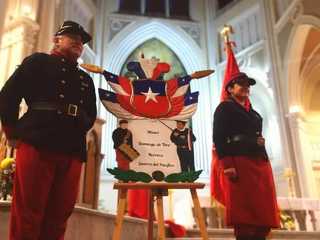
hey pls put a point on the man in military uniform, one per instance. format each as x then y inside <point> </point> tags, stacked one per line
<point>184,138</point>
<point>50,136</point>
<point>122,135</point>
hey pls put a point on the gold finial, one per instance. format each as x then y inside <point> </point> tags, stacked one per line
<point>92,68</point>
<point>289,174</point>
<point>226,31</point>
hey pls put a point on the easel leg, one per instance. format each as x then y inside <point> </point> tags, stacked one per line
<point>120,214</point>
<point>150,216</point>
<point>199,214</point>
<point>161,230</point>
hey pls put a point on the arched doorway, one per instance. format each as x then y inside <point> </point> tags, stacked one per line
<point>304,106</point>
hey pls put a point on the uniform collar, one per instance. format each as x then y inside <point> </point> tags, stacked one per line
<point>246,107</point>
<point>64,59</point>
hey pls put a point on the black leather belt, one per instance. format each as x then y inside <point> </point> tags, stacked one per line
<point>67,109</point>
<point>183,146</point>
<point>240,138</point>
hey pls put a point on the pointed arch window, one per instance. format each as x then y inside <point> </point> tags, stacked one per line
<point>156,8</point>
<point>131,6</point>
<point>156,48</point>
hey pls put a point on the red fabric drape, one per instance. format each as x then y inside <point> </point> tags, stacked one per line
<point>176,230</point>
<point>138,203</point>
<point>216,178</point>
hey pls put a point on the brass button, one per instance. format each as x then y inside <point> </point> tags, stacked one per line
<point>63,60</point>
<point>81,101</point>
<point>82,89</point>
<point>63,81</point>
<point>63,69</point>
<point>61,96</point>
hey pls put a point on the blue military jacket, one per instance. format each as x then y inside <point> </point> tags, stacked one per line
<point>49,78</point>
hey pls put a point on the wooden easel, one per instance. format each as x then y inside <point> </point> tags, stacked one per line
<point>157,191</point>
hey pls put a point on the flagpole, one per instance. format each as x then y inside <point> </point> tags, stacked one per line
<point>225,32</point>
<point>165,125</point>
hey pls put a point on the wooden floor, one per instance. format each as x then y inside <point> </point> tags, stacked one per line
<point>86,224</point>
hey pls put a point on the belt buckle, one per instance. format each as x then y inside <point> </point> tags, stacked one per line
<point>72,110</point>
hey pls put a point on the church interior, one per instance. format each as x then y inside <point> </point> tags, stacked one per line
<point>276,42</point>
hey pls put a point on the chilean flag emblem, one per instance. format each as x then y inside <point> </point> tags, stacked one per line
<point>149,98</point>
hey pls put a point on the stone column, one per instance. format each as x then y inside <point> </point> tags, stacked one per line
<point>288,157</point>
<point>18,41</point>
<point>48,23</point>
<point>304,165</point>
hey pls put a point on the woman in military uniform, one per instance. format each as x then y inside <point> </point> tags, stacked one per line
<point>251,206</point>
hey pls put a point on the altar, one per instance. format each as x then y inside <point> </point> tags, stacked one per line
<point>304,213</point>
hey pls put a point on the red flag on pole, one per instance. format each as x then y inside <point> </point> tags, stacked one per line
<point>216,178</point>
<point>232,69</point>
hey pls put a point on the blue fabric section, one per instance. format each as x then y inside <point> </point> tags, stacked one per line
<point>110,77</point>
<point>140,86</point>
<point>184,80</point>
<point>137,69</point>
<point>107,96</point>
<point>191,98</point>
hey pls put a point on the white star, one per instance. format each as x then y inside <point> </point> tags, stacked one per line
<point>150,95</point>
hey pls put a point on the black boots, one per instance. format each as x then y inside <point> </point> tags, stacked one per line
<point>250,238</point>
<point>243,238</point>
<point>257,238</point>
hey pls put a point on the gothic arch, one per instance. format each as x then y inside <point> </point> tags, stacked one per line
<point>293,84</point>
<point>301,82</point>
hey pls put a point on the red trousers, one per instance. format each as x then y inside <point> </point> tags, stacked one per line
<point>122,161</point>
<point>45,192</point>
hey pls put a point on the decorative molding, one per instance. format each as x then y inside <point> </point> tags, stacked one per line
<point>194,32</point>
<point>116,26</point>
<point>21,30</point>
<point>296,12</point>
<point>247,31</point>
<point>312,62</point>
<point>82,11</point>
<point>119,21</point>
<point>291,14</point>
<point>18,41</point>
<point>241,55</point>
